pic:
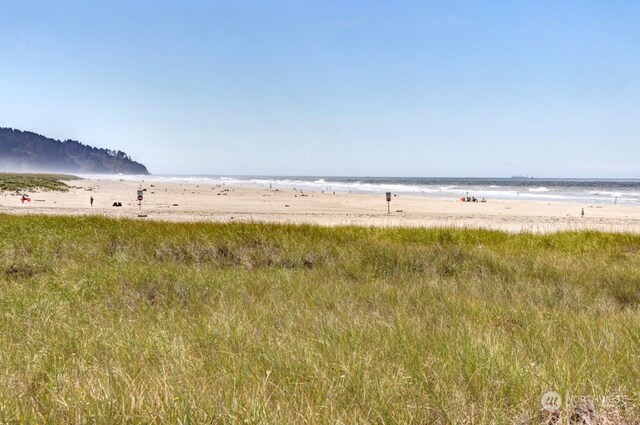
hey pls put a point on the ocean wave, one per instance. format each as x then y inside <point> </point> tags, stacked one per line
<point>613,194</point>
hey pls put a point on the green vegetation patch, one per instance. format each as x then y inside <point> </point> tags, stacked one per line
<point>10,182</point>
<point>114,321</point>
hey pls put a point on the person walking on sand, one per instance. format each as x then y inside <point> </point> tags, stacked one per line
<point>582,213</point>
<point>91,201</point>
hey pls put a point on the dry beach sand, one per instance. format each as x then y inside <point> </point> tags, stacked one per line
<point>199,202</point>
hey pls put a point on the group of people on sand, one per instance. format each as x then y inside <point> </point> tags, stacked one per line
<point>471,199</point>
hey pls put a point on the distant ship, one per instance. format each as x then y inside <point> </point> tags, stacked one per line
<point>522,177</point>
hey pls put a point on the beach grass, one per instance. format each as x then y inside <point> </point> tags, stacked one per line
<point>25,182</point>
<point>121,321</point>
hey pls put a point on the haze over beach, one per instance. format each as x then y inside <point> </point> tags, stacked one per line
<point>329,212</point>
<point>417,89</point>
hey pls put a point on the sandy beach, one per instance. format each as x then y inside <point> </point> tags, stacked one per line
<point>208,203</point>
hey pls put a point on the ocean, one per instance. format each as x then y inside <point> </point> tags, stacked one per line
<point>583,191</point>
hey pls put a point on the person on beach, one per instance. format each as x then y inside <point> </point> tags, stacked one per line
<point>91,201</point>
<point>582,213</point>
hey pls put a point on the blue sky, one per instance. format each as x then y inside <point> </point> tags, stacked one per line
<point>361,88</point>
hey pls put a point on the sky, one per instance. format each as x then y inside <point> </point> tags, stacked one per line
<point>332,88</point>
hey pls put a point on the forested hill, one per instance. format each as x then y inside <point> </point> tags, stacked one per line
<point>27,151</point>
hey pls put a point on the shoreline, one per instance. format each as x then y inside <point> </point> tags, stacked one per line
<point>198,202</point>
<point>491,189</point>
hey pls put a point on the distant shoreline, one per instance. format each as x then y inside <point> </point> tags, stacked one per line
<point>579,191</point>
<point>229,202</point>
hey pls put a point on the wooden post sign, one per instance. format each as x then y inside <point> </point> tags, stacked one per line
<point>140,197</point>
<point>388,202</point>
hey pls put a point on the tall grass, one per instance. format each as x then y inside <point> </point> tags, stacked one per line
<point>116,321</point>
<point>24,182</point>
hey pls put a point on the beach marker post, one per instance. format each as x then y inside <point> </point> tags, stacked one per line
<point>388,202</point>
<point>140,198</point>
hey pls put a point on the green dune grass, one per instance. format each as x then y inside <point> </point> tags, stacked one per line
<point>115,321</point>
<point>16,182</point>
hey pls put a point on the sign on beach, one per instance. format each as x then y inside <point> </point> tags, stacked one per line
<point>140,198</point>
<point>388,202</point>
